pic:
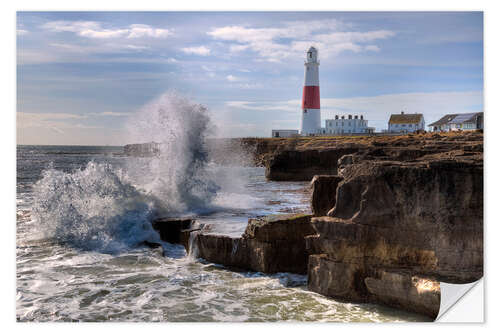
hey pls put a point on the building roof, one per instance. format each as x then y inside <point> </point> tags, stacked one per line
<point>465,118</point>
<point>456,118</point>
<point>444,120</point>
<point>411,118</point>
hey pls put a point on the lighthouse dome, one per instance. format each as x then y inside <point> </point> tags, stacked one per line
<point>312,54</point>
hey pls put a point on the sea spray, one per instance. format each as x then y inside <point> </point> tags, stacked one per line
<point>92,209</point>
<point>193,250</point>
<point>109,209</point>
<point>178,175</point>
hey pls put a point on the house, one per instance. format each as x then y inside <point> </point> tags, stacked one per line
<point>458,121</point>
<point>285,133</point>
<point>349,125</point>
<point>406,123</point>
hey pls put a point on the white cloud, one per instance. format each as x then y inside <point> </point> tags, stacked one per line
<point>373,48</point>
<point>91,29</point>
<point>293,38</point>
<point>21,32</point>
<point>232,78</point>
<point>137,47</point>
<point>198,50</point>
<point>143,30</point>
<point>172,60</point>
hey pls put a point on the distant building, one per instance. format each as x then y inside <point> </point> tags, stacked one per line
<point>351,125</point>
<point>286,133</point>
<point>406,123</point>
<point>458,121</point>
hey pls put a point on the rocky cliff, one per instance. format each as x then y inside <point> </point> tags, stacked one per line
<point>391,220</point>
<point>396,228</point>
<point>321,156</point>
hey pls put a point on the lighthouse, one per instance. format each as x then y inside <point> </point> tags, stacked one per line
<point>311,112</point>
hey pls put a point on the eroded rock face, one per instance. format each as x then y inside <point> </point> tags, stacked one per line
<point>295,165</point>
<point>328,156</point>
<point>270,244</point>
<point>398,228</point>
<point>324,195</point>
<point>426,215</point>
<point>402,290</point>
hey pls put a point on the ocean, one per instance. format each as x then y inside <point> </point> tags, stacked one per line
<point>83,211</point>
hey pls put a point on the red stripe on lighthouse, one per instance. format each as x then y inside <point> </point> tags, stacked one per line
<point>310,97</point>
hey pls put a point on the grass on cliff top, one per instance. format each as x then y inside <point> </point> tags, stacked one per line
<point>309,142</point>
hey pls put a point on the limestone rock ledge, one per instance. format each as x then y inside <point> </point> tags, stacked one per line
<point>397,229</point>
<point>269,244</point>
<point>355,282</point>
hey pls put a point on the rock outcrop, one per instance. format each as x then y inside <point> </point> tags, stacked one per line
<point>142,149</point>
<point>324,194</point>
<point>397,229</point>
<point>300,165</point>
<point>269,244</point>
<point>327,156</point>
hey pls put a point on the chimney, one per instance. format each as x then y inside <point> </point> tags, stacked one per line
<point>350,116</point>
<point>336,117</point>
<point>343,117</point>
<point>356,117</point>
<point>361,117</point>
<point>402,112</point>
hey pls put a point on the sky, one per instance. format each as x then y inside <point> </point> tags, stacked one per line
<point>81,76</point>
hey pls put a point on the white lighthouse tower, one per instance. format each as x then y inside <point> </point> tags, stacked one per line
<point>311,111</point>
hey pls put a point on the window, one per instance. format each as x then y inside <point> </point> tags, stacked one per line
<point>349,123</point>
<point>336,123</point>
<point>410,125</point>
<point>404,125</point>
<point>305,110</point>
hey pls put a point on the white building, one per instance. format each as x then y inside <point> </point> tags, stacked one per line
<point>286,133</point>
<point>406,123</point>
<point>347,125</point>
<point>460,121</point>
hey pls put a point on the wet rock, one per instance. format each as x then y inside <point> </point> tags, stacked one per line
<point>324,193</point>
<point>289,227</point>
<point>170,228</point>
<point>149,149</point>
